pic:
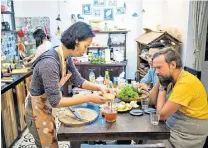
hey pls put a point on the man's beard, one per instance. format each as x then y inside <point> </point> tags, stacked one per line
<point>165,81</point>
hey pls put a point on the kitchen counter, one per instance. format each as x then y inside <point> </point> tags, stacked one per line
<point>13,96</point>
<point>17,78</point>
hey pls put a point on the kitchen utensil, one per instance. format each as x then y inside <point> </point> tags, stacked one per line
<point>76,114</point>
<point>68,118</point>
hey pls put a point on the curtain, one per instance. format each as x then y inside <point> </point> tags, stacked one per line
<point>199,18</point>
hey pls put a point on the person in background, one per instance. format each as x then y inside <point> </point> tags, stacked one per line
<point>185,106</point>
<point>50,72</point>
<point>151,76</point>
<point>42,44</point>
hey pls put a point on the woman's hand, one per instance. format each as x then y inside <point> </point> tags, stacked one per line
<point>97,98</point>
<point>106,90</point>
<point>26,59</point>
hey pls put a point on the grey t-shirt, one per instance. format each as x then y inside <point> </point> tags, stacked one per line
<point>46,76</point>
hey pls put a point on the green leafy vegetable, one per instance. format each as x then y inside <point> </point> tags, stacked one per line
<point>128,92</point>
<point>97,60</point>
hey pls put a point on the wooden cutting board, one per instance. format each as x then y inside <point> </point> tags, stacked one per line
<point>20,71</point>
<point>67,118</point>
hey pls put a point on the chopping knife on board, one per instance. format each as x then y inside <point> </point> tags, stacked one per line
<point>76,114</point>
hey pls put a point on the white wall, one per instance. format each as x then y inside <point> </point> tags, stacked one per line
<point>173,13</point>
<point>48,8</point>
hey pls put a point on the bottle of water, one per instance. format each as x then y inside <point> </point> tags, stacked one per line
<point>92,76</point>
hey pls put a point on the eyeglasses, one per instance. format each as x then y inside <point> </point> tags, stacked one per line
<point>149,57</point>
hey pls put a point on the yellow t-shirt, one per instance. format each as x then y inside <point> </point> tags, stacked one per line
<point>191,94</point>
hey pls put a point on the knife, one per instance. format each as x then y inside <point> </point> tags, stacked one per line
<point>76,114</point>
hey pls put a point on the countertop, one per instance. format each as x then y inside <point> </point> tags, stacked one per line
<point>17,78</point>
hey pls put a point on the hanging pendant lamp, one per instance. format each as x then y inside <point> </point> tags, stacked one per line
<point>58,18</point>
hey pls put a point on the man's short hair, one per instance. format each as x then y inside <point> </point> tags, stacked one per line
<point>170,55</point>
<point>157,45</point>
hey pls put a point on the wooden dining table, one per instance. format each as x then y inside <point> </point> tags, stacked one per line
<point>126,127</point>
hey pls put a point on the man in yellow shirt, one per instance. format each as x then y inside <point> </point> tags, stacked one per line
<point>186,108</point>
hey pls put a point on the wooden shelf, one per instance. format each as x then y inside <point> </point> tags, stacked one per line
<point>143,58</point>
<point>7,12</point>
<point>115,45</point>
<point>96,47</point>
<point>117,31</point>
<point>10,31</point>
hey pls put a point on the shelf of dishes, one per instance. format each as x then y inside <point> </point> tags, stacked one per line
<point>102,56</point>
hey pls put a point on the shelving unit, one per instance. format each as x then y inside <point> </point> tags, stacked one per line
<point>7,12</point>
<point>117,31</point>
<point>145,40</point>
<point>143,58</point>
<point>9,117</point>
<point>97,47</point>
<point>9,37</point>
<point>115,68</point>
<point>12,31</point>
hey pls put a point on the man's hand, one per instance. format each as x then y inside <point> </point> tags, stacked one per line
<point>142,86</point>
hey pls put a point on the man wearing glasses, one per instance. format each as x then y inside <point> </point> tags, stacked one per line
<point>151,76</point>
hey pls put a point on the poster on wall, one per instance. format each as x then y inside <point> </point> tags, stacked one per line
<point>99,3</point>
<point>97,12</point>
<point>120,10</point>
<point>112,3</point>
<point>108,14</point>
<point>8,45</point>
<point>86,9</point>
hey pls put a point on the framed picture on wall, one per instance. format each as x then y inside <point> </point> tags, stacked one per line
<point>112,3</point>
<point>96,12</point>
<point>99,3</point>
<point>86,9</point>
<point>120,10</point>
<point>108,14</point>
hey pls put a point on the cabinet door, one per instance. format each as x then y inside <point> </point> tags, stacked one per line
<point>86,71</point>
<point>8,117</point>
<point>27,82</point>
<point>20,90</point>
<point>113,71</point>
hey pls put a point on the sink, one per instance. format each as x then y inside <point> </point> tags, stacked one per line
<point>2,84</point>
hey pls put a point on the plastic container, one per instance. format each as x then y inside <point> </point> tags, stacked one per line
<point>92,76</point>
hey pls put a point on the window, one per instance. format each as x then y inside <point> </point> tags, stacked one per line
<point>206,48</point>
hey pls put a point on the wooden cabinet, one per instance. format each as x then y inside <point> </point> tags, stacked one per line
<point>27,82</point>
<point>99,70</point>
<point>13,108</point>
<point>8,117</point>
<point>113,71</point>
<point>21,95</point>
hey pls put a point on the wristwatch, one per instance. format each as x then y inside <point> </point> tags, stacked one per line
<point>162,88</point>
